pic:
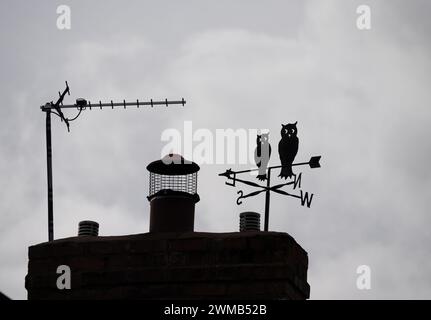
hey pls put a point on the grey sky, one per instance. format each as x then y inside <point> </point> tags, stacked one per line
<point>361,99</point>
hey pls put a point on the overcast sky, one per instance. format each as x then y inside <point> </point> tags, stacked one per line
<point>361,99</point>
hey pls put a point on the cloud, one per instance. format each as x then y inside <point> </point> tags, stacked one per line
<point>359,98</point>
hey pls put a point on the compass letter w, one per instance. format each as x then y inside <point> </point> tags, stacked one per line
<point>305,199</point>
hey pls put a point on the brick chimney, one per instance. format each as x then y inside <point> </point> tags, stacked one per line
<point>171,261</point>
<point>193,265</point>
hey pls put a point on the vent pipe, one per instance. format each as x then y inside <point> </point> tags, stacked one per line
<point>249,221</point>
<point>88,228</point>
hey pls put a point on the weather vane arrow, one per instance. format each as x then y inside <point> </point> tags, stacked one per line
<point>313,163</point>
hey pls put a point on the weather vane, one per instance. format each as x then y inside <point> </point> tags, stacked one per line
<point>80,105</point>
<point>287,150</point>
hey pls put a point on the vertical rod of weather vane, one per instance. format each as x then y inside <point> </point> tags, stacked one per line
<point>267,194</point>
<point>49,170</point>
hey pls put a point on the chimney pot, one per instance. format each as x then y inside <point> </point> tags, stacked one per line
<point>173,194</point>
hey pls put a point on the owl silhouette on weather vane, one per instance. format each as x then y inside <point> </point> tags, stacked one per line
<point>262,153</point>
<point>288,148</point>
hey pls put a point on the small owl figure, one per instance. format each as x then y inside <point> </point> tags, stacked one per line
<point>288,148</point>
<point>262,153</point>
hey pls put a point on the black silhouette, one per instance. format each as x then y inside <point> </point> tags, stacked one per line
<point>262,153</point>
<point>80,105</point>
<point>288,148</point>
<point>3,297</point>
<point>305,197</point>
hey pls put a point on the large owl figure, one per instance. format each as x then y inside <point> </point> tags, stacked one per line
<point>262,153</point>
<point>288,148</point>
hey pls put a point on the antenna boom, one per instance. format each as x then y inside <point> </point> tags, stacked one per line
<point>123,104</point>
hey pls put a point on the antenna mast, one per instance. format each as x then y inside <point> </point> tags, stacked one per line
<point>80,105</point>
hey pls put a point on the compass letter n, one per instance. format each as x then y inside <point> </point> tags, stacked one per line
<point>305,199</point>
<point>297,181</point>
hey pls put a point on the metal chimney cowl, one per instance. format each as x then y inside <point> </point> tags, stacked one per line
<point>172,194</point>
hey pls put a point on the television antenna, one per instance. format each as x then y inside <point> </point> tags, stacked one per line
<point>81,105</point>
